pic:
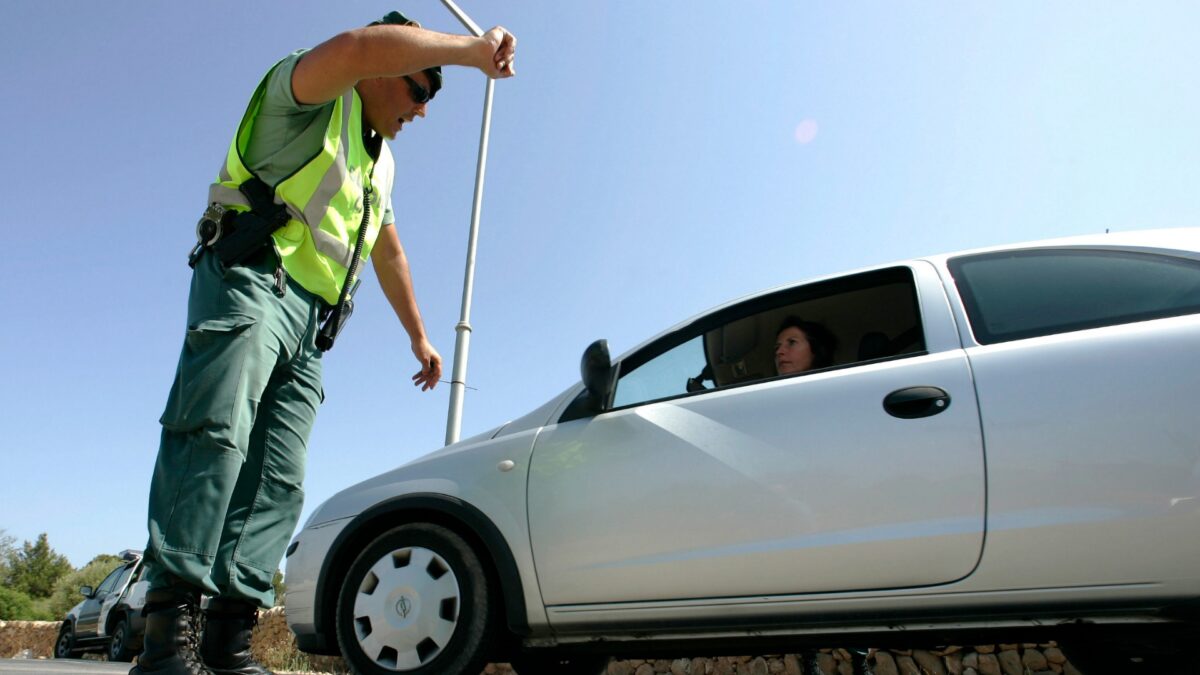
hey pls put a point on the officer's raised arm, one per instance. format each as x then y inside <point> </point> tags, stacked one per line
<point>387,50</point>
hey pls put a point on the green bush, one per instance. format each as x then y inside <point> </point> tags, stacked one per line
<point>43,612</point>
<point>15,605</point>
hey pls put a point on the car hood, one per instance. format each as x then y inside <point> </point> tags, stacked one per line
<point>435,469</point>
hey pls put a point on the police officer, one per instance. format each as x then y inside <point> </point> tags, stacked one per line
<point>309,161</point>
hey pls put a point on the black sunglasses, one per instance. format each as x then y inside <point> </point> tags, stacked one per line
<point>419,94</point>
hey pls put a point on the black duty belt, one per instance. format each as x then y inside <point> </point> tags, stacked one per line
<point>242,237</point>
<point>237,235</point>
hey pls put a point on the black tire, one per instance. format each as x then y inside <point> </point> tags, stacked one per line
<point>416,601</point>
<point>64,646</point>
<point>119,648</point>
<point>544,664</point>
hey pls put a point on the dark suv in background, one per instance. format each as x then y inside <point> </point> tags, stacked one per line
<point>109,619</point>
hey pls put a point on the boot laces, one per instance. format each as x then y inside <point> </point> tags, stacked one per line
<point>191,654</point>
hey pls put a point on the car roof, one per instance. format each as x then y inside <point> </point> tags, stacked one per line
<point>1176,239</point>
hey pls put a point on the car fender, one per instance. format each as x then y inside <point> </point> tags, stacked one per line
<point>441,508</point>
<point>485,502</point>
<point>130,607</point>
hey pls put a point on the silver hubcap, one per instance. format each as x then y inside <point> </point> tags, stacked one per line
<point>406,608</point>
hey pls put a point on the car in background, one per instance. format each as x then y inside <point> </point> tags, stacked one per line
<point>109,619</point>
<point>1005,448</point>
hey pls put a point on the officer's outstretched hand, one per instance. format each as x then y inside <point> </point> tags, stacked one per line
<point>431,365</point>
<point>503,47</point>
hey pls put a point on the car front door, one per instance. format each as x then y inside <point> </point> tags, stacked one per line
<point>786,486</point>
<point>113,597</point>
<point>89,613</point>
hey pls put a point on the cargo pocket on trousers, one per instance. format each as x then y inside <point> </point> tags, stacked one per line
<point>208,380</point>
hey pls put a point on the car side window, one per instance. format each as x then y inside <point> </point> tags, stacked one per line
<point>663,377</point>
<point>123,577</point>
<point>1016,295</point>
<point>110,582</point>
<point>863,317</point>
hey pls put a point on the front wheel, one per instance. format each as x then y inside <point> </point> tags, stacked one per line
<point>416,601</point>
<point>64,646</point>
<point>118,644</point>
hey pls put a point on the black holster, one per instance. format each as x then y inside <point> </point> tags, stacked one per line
<point>334,318</point>
<point>248,232</point>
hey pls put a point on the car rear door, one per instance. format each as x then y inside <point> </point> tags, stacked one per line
<point>790,485</point>
<point>1086,369</point>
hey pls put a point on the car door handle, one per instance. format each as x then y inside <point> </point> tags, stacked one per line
<point>913,402</point>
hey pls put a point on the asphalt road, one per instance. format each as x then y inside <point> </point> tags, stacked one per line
<point>60,666</point>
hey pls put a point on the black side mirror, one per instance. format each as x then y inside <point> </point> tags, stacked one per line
<point>598,374</point>
<point>87,591</point>
<point>599,380</point>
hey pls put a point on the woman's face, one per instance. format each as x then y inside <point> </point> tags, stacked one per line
<point>793,354</point>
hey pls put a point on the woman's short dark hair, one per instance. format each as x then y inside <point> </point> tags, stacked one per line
<point>820,340</point>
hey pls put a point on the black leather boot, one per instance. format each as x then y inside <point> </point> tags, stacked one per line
<point>172,629</point>
<point>226,644</point>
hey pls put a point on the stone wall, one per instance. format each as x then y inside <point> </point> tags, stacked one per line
<point>31,639</point>
<point>1006,659</point>
<point>275,646</point>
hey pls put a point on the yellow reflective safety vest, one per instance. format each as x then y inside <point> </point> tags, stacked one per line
<point>324,198</point>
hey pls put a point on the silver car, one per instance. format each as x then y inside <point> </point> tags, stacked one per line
<point>1002,446</point>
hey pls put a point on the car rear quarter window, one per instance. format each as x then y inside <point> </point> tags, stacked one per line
<point>1022,294</point>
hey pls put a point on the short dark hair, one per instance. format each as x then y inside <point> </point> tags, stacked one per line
<point>434,73</point>
<point>820,340</point>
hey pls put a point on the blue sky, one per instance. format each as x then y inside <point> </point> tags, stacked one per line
<point>650,160</point>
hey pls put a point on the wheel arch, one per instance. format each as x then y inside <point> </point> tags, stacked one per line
<point>450,512</point>
<point>119,612</point>
<point>67,624</point>
<point>114,615</point>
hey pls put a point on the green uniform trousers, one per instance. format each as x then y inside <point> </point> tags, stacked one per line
<point>226,492</point>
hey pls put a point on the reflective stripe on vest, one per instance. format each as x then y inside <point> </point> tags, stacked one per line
<point>323,197</point>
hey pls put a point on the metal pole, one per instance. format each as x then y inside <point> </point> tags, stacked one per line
<point>462,17</point>
<point>462,340</point>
